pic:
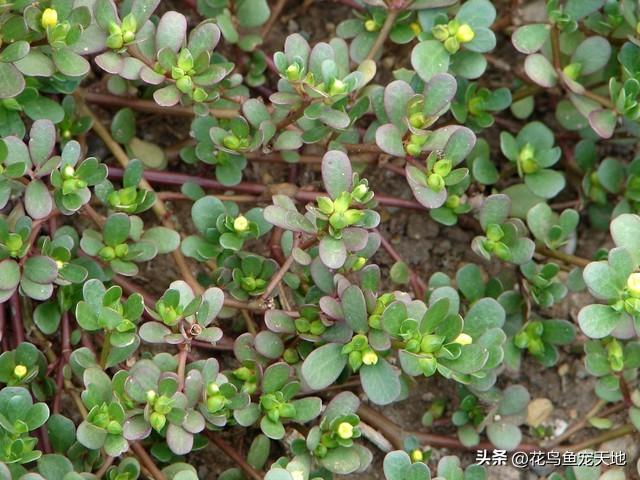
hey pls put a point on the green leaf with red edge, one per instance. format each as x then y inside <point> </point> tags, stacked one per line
<point>116,229</point>
<point>354,309</point>
<point>438,94</point>
<point>530,38</point>
<point>380,382</point>
<point>598,321</point>
<point>323,366</point>
<point>396,97</point>
<point>336,173</point>
<point>425,195</point>
<point>389,139</point>
<point>37,200</point>
<point>11,81</point>
<point>603,122</point>
<point>9,274</point>
<point>540,70</point>
<point>333,252</point>
<point>171,31</point>
<point>429,58</point>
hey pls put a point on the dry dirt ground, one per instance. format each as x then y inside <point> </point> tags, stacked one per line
<point>426,246</point>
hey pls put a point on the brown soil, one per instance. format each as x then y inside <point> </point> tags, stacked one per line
<point>425,245</point>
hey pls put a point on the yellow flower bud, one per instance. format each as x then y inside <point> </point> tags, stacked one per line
<point>416,28</point>
<point>370,357</point>
<point>293,72</point>
<point>633,284</point>
<point>345,430</point>
<point>241,223</point>
<point>417,455</point>
<point>463,339</point>
<point>20,371</point>
<point>371,25</point>
<point>465,33</point>
<point>49,18</point>
<point>68,171</point>
<point>337,87</point>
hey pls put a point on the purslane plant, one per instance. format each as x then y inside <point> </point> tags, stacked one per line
<point>138,324</point>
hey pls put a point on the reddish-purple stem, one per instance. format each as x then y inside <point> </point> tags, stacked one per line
<point>417,283</point>
<point>16,319</point>
<point>64,359</point>
<point>170,178</point>
<point>4,338</point>
<point>270,64</point>
<point>275,247</point>
<point>351,3</point>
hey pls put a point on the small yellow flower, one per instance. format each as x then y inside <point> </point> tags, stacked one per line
<point>415,26</point>
<point>20,371</point>
<point>417,455</point>
<point>465,33</point>
<point>463,339</point>
<point>633,284</point>
<point>240,224</point>
<point>371,25</point>
<point>345,430</point>
<point>68,171</point>
<point>49,18</point>
<point>370,358</point>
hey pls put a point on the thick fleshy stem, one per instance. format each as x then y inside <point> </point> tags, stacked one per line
<point>275,280</point>
<point>418,285</point>
<point>147,461</point>
<point>565,257</point>
<point>351,3</point>
<point>274,245</point>
<point>234,455</point>
<point>148,106</point>
<point>170,178</point>
<point>16,318</point>
<point>254,306</point>
<point>584,421</point>
<point>276,10</point>
<point>182,363</point>
<point>555,47</point>
<point>396,435</point>
<point>598,439</point>
<point>4,344</point>
<point>105,466</point>
<point>383,34</point>
<point>65,332</point>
